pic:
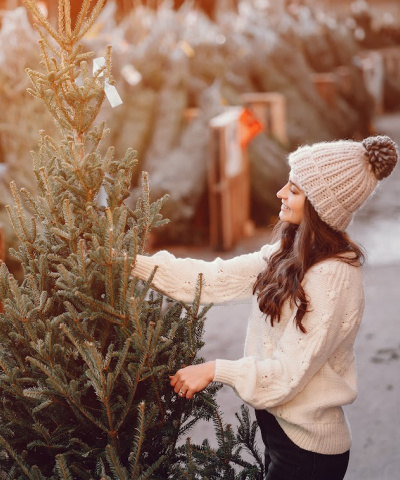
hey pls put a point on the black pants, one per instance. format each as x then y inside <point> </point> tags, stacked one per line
<point>284,460</point>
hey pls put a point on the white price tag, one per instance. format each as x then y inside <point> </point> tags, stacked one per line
<point>109,90</point>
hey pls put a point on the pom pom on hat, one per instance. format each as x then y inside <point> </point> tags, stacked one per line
<point>382,153</point>
<point>338,177</point>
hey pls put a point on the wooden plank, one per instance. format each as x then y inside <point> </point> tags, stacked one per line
<point>228,178</point>
<point>2,244</point>
<point>326,86</point>
<point>372,66</point>
<point>344,83</point>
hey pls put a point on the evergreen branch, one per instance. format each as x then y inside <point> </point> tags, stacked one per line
<point>62,389</point>
<point>69,152</point>
<point>95,374</point>
<point>61,18</point>
<point>108,158</point>
<point>31,281</point>
<point>43,43</point>
<point>219,429</point>
<point>128,403</point>
<point>137,302</point>
<point>115,464</point>
<point>108,247</point>
<point>69,120</point>
<point>53,218</point>
<point>70,97</point>
<point>82,258</point>
<point>108,61</point>
<point>136,318</point>
<point>62,468</point>
<point>55,381</point>
<point>18,218</point>
<point>43,432</point>
<point>134,456</point>
<point>147,475</point>
<point>94,79</point>
<point>66,276</point>
<point>67,17</point>
<point>76,317</point>
<point>42,406</point>
<point>246,435</point>
<point>121,361</point>
<point>88,23</point>
<point>101,307</point>
<point>94,220</point>
<point>18,459</point>
<point>145,204</point>
<point>61,234</point>
<point>37,474</point>
<point>68,216</point>
<point>77,55</point>
<point>122,298</point>
<point>70,187</point>
<point>32,202</point>
<point>191,469</point>
<point>33,7</point>
<point>22,307</point>
<point>81,15</point>
<point>110,355</point>
<point>120,225</point>
<point>44,55</point>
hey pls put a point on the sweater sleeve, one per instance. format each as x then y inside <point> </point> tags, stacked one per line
<point>223,280</point>
<point>336,302</point>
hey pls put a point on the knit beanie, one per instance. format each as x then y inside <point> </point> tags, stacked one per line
<point>338,177</point>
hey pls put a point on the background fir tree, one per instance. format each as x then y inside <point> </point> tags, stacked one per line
<point>85,348</point>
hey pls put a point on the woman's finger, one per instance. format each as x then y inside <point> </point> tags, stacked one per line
<point>189,395</point>
<point>178,387</point>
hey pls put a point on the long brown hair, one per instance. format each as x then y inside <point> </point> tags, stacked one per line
<point>301,247</point>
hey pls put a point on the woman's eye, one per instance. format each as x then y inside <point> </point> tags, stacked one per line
<point>293,191</point>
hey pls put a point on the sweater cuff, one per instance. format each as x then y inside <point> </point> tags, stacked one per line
<point>226,372</point>
<point>144,267</point>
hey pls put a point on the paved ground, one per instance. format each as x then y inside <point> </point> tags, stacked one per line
<point>375,415</point>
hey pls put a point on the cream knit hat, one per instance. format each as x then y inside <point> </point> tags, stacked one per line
<point>338,177</point>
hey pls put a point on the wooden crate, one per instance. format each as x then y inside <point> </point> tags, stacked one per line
<point>270,110</point>
<point>228,181</point>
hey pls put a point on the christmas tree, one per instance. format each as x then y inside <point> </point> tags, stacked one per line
<point>86,349</point>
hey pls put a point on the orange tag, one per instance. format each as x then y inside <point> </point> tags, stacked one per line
<point>249,126</point>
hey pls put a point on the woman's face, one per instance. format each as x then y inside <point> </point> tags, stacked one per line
<point>293,199</point>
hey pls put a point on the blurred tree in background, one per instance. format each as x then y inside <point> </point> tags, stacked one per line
<point>178,67</point>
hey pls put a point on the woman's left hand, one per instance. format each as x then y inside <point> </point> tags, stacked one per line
<point>190,380</point>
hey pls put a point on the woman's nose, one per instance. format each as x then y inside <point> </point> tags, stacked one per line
<point>281,192</point>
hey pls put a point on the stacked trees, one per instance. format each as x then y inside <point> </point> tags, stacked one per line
<point>85,348</point>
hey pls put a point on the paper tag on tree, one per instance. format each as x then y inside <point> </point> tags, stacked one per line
<point>109,90</point>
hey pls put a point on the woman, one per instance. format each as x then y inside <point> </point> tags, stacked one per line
<point>298,368</point>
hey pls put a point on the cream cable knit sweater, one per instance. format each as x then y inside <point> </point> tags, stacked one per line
<point>302,379</point>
